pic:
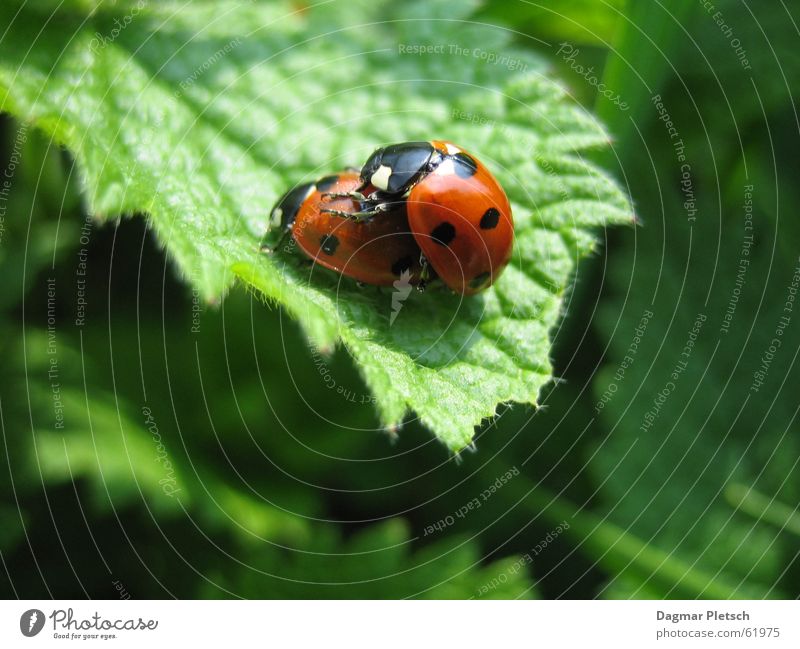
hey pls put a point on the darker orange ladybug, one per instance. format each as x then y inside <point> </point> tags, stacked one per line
<point>376,251</point>
<point>457,211</point>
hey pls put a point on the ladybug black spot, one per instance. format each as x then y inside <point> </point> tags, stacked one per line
<point>465,165</point>
<point>443,233</point>
<point>324,184</point>
<point>401,265</point>
<point>490,219</point>
<point>328,243</point>
<point>480,280</point>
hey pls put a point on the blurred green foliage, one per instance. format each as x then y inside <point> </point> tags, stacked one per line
<point>702,503</point>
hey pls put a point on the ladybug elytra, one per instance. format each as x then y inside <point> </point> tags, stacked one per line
<point>377,251</point>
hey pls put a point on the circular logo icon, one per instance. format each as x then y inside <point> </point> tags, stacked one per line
<point>31,622</point>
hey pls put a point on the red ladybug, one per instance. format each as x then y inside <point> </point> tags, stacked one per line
<point>457,211</point>
<point>376,251</point>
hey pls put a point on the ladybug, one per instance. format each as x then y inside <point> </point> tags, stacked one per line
<point>376,251</point>
<point>457,211</point>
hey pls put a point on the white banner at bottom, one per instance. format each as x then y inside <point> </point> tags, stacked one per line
<point>399,624</point>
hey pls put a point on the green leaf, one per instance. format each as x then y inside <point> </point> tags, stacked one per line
<point>201,116</point>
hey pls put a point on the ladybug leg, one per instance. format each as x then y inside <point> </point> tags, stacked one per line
<point>424,273</point>
<point>356,196</point>
<point>361,216</point>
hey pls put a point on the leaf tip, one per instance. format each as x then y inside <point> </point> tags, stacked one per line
<point>392,432</point>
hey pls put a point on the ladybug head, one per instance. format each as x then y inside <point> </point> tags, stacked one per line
<point>395,168</point>
<point>371,166</point>
<point>285,211</point>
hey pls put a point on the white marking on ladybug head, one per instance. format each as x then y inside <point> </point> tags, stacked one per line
<point>452,149</point>
<point>276,216</point>
<point>381,177</point>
